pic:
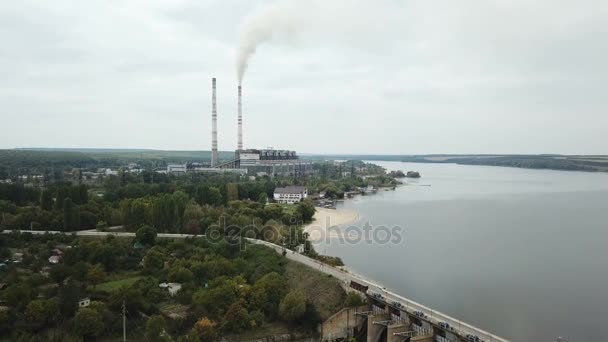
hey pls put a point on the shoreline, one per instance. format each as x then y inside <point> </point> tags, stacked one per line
<point>324,219</point>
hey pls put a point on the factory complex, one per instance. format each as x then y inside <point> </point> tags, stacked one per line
<point>253,162</point>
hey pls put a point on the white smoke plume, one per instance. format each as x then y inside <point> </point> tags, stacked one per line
<point>278,19</point>
<point>357,23</point>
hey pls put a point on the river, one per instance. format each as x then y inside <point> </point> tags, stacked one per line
<point>521,253</point>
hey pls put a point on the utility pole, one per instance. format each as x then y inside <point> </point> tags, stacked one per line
<point>124,322</point>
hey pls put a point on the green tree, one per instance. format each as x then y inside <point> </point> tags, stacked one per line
<point>267,292</point>
<point>217,298</point>
<point>181,275</point>
<point>5,320</point>
<point>70,217</point>
<point>155,329</point>
<point>353,299</point>
<point>59,273</point>
<point>69,295</point>
<point>293,306</point>
<point>164,213</point>
<point>98,306</point>
<point>42,310</point>
<point>263,198</point>
<point>78,271</point>
<point>101,226</point>
<point>232,192</point>
<point>131,296</point>
<point>18,295</point>
<point>307,209</point>
<point>146,235</point>
<point>88,323</point>
<point>153,261</point>
<point>214,197</point>
<point>46,200</point>
<point>273,212</point>
<point>236,318</point>
<point>257,319</point>
<point>139,213</point>
<point>192,218</point>
<point>96,274</point>
<point>35,312</point>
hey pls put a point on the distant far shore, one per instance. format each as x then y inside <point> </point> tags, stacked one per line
<point>593,163</point>
<point>327,218</point>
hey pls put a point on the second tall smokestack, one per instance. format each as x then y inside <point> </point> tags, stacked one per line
<point>214,154</point>
<point>240,120</point>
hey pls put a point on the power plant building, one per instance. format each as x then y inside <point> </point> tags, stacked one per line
<point>256,162</point>
<point>272,162</point>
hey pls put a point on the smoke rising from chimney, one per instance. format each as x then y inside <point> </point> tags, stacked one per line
<point>356,23</point>
<point>267,23</point>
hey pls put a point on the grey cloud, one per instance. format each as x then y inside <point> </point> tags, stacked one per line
<point>414,76</point>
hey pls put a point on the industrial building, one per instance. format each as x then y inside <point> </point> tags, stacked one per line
<point>254,162</point>
<point>177,168</point>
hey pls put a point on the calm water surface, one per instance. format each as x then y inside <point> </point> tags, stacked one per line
<point>521,253</point>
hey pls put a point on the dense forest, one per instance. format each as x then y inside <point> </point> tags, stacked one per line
<point>18,162</point>
<point>60,287</point>
<point>179,205</point>
<point>223,289</point>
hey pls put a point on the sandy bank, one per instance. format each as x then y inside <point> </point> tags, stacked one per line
<point>327,218</point>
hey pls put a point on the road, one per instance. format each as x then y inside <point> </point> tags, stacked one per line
<point>432,316</point>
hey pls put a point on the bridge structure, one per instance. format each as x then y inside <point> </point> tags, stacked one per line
<point>390,317</point>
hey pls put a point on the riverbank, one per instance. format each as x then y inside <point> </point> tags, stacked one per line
<point>324,219</point>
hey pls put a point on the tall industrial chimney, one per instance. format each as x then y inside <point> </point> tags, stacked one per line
<point>214,154</point>
<point>240,121</point>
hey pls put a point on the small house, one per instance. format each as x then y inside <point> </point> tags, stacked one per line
<point>45,271</point>
<point>84,302</point>
<point>54,259</point>
<point>17,257</point>
<point>173,288</point>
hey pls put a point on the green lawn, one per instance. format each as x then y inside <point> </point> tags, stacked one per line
<point>112,286</point>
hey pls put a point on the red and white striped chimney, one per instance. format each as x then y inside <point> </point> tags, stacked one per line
<point>240,121</point>
<point>214,154</point>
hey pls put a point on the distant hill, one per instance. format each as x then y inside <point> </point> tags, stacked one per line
<point>82,150</point>
<point>103,157</point>
<point>37,159</point>
<point>543,161</point>
<point>538,161</point>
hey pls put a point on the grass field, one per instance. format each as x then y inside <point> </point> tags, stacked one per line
<point>324,291</point>
<point>112,286</point>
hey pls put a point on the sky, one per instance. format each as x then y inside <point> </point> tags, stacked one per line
<point>334,76</point>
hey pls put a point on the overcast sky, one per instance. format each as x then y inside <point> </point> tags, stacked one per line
<point>348,76</point>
